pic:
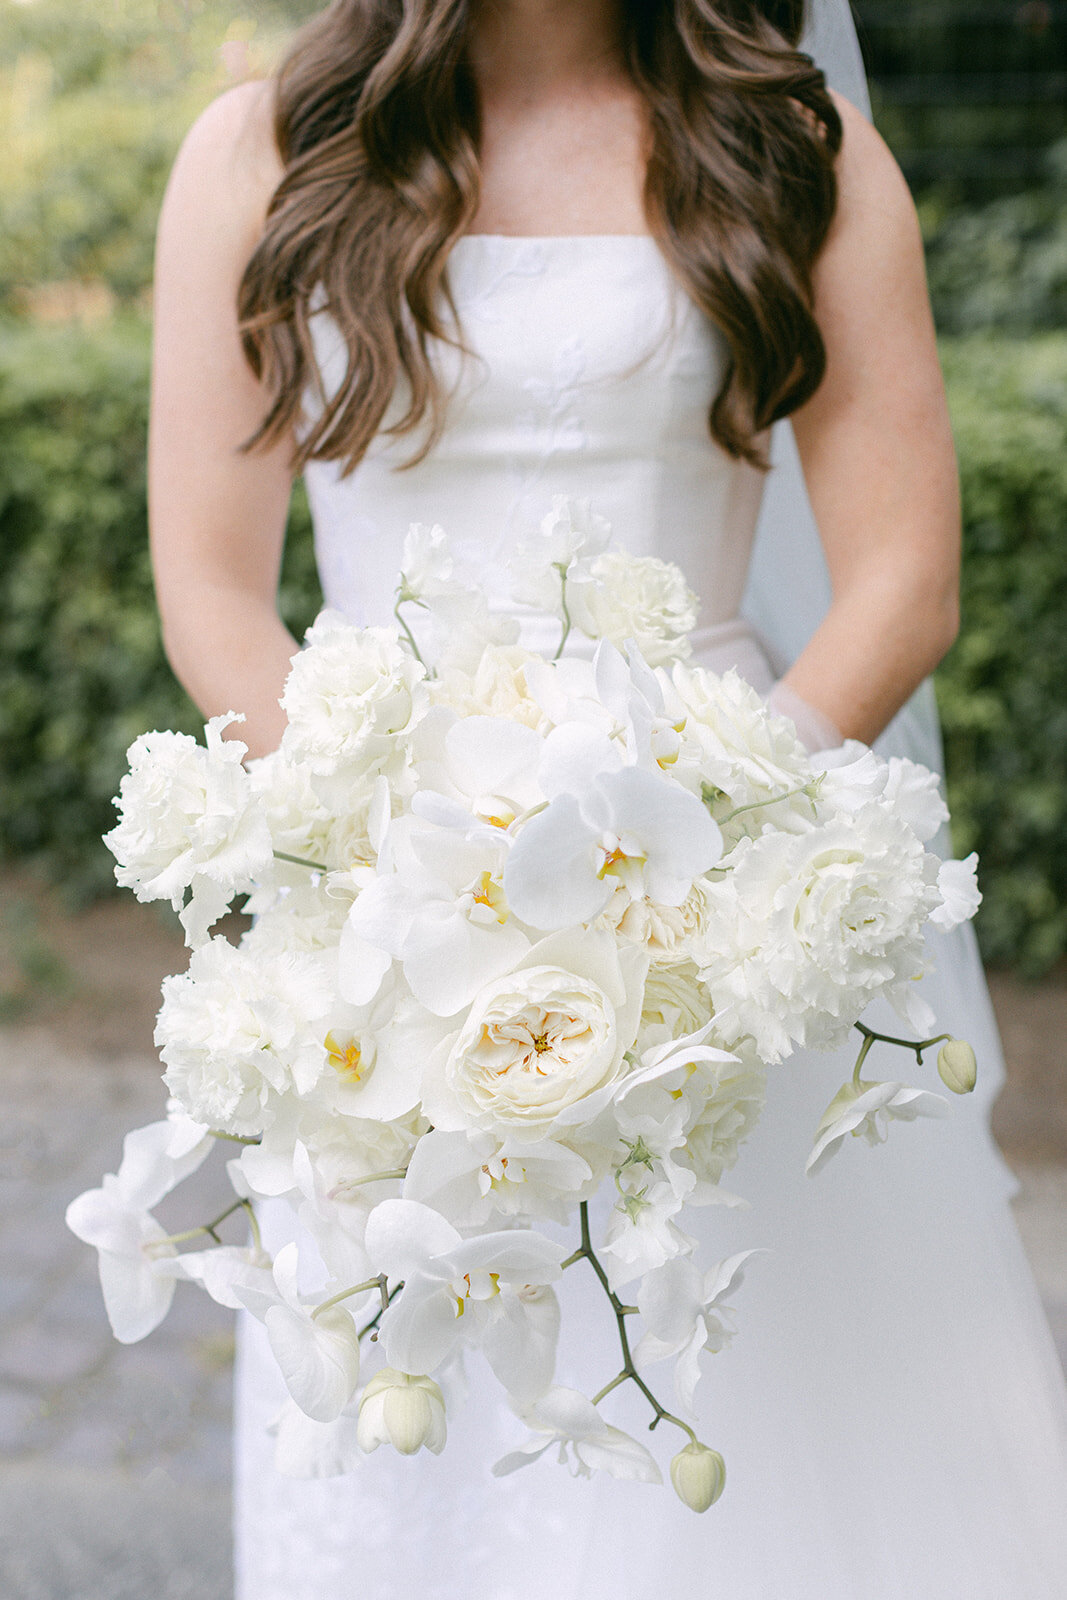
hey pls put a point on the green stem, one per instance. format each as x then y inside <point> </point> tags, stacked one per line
<point>206,1227</point>
<point>758,805</point>
<point>416,652</point>
<point>357,1288</point>
<point>235,1138</point>
<point>567,623</point>
<point>372,1177</point>
<point>299,861</point>
<point>628,1372</point>
<point>870,1037</point>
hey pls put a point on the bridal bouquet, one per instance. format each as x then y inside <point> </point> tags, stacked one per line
<point>526,933</point>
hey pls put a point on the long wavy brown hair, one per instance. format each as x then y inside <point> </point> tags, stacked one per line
<point>377,122</point>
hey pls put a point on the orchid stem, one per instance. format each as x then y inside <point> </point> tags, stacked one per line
<point>205,1227</point>
<point>567,623</point>
<point>870,1037</point>
<point>299,861</point>
<point>757,805</point>
<point>409,636</point>
<point>357,1288</point>
<point>628,1372</point>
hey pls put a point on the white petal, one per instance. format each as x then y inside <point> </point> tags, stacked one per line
<point>318,1358</point>
<point>404,1237</point>
<point>551,874</point>
<point>135,1297</point>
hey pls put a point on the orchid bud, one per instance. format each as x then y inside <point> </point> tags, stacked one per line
<point>403,1411</point>
<point>958,1066</point>
<point>698,1475</point>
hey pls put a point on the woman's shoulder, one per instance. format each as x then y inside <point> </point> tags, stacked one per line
<point>229,166</point>
<point>867,171</point>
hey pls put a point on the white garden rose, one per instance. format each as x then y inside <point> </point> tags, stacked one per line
<point>239,1029</point>
<point>620,597</point>
<point>351,698</point>
<point>539,1042</point>
<point>666,931</point>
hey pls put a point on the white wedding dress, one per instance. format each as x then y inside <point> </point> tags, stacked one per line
<point>892,1411</point>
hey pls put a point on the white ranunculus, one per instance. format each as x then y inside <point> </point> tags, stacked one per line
<point>730,1096</point>
<point>189,819</point>
<point>538,1044</point>
<point>237,1030</point>
<point>620,597</point>
<point>353,697</point>
<point>494,686</point>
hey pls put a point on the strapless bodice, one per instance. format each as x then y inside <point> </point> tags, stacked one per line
<point>590,375</point>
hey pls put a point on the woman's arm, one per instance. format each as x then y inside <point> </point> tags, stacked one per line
<point>217,517</point>
<point>877,453</point>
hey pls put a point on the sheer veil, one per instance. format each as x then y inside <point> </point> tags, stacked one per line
<point>789,587</point>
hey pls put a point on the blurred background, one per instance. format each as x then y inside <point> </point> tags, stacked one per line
<point>113,1462</point>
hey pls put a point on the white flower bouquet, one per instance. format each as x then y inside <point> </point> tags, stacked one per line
<point>525,931</point>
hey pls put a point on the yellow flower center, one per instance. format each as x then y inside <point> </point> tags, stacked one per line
<point>345,1058</point>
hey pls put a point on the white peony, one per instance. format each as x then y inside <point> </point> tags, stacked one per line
<point>237,1030</point>
<point>620,597</point>
<point>189,819</point>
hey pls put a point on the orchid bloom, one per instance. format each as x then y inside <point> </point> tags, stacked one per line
<point>628,827</point>
<point>488,1290</point>
<point>865,1110</point>
<point>686,1314</point>
<point>586,1443</point>
<point>116,1220</point>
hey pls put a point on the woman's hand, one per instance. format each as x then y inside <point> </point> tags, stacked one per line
<point>878,458</point>
<point>217,517</point>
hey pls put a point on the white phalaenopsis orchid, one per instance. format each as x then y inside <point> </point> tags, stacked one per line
<point>117,1221</point>
<point>566,1420</point>
<point>627,829</point>
<point>489,1291</point>
<point>686,1315</point>
<point>865,1110</point>
<point>442,915</point>
<point>526,936</point>
<point>316,1345</point>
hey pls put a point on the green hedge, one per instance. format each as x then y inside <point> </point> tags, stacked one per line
<point>82,672</point>
<point>1003,689</point>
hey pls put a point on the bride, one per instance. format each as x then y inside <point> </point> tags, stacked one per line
<point>463,255</point>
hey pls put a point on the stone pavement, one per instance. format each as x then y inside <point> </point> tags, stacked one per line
<point>114,1461</point>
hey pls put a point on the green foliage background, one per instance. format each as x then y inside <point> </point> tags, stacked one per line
<point>93,102</point>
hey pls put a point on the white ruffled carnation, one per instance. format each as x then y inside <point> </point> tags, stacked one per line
<point>620,597</point>
<point>730,741</point>
<point>189,818</point>
<point>805,929</point>
<point>239,1029</point>
<point>352,697</point>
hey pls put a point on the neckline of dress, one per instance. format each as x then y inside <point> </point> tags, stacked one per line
<point>556,238</point>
